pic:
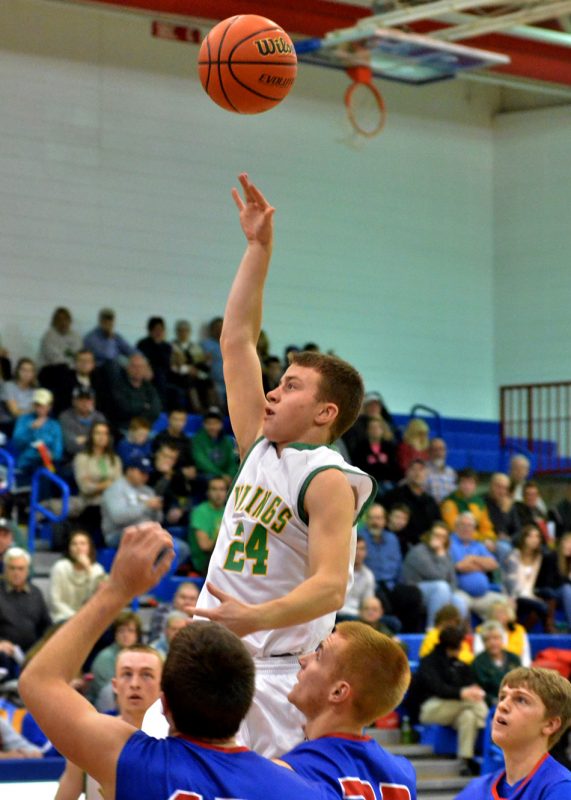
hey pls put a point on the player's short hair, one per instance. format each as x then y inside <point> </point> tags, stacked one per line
<point>376,667</point>
<point>553,690</point>
<point>340,384</point>
<point>208,681</point>
<point>141,648</point>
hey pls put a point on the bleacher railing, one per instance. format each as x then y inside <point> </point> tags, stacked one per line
<point>36,504</point>
<point>536,417</point>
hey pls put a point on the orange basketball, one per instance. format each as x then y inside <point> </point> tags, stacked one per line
<point>247,64</point>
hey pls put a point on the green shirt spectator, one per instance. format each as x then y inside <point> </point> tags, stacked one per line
<point>205,524</point>
<point>213,452</point>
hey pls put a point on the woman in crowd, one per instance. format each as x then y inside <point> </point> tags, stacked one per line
<point>18,394</point>
<point>527,570</point>
<point>60,342</point>
<point>515,637</point>
<point>376,454</point>
<point>74,578</point>
<point>490,666</point>
<point>447,617</point>
<point>414,445</point>
<point>95,469</point>
<point>429,566</point>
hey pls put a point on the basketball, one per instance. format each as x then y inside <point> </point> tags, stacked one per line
<point>247,64</point>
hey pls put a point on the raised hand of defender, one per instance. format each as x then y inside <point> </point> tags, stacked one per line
<point>256,214</point>
<point>236,616</point>
<point>145,555</point>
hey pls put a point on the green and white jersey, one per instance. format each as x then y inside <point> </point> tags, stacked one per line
<point>262,548</point>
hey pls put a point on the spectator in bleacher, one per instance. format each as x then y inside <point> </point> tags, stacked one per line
<point>184,600</point>
<point>190,371</point>
<point>127,632</point>
<point>473,561</point>
<point>428,567</point>
<point>83,375</point>
<point>129,501</point>
<point>175,622</point>
<point>520,468</point>
<point>398,519</point>
<point>74,577</point>
<point>528,570</point>
<point>373,406</point>
<point>501,509</point>
<point>60,342</point>
<point>174,436</point>
<point>211,348</point>
<point>375,454</point>
<point>213,451</point>
<point>563,512</point>
<point>169,483</point>
<point>104,342</point>
<point>95,470</point>
<point>372,613</point>
<point>465,498</point>
<point>24,616</point>
<point>133,395</point>
<point>490,666</point>
<point>158,353</point>
<point>384,559</point>
<point>447,616</point>
<point>564,571</point>
<point>13,745</point>
<point>272,373</point>
<point>18,394</point>
<point>531,511</point>
<point>423,508</point>
<point>137,443</point>
<point>362,588</point>
<point>77,421</point>
<point>449,695</point>
<point>37,438</point>
<point>9,537</point>
<point>205,524</point>
<point>515,638</point>
<point>441,479</point>
<point>414,445</point>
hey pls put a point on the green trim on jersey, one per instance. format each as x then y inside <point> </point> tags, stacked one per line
<point>303,446</point>
<point>302,492</point>
<point>241,467</point>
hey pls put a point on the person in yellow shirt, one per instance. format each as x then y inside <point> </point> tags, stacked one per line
<point>446,617</point>
<point>466,499</point>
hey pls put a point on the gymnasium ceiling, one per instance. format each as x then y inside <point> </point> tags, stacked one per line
<point>535,34</point>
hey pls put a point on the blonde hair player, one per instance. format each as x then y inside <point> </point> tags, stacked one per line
<point>533,712</point>
<point>282,562</point>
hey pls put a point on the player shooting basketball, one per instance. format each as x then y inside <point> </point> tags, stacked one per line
<point>281,564</point>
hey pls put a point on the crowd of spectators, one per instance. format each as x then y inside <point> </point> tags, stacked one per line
<point>435,553</point>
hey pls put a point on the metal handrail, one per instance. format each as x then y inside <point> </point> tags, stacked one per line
<point>428,410</point>
<point>36,504</point>
<point>8,459</point>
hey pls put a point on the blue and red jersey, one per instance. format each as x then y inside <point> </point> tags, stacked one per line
<point>548,780</point>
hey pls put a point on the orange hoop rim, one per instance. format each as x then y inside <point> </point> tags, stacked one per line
<point>357,81</point>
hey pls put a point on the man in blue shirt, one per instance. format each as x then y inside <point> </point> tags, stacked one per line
<point>104,343</point>
<point>384,559</point>
<point>207,688</point>
<point>473,561</point>
<point>533,712</point>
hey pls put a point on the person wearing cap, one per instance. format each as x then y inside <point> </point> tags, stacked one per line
<point>129,501</point>
<point>37,438</point>
<point>213,451</point>
<point>104,342</point>
<point>77,421</point>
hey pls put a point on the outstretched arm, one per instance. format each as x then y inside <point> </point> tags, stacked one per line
<point>330,505</point>
<point>91,740</point>
<point>243,317</point>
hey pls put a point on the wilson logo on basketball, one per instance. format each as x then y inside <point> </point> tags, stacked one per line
<point>268,47</point>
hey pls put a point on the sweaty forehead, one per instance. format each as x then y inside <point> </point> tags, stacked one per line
<point>134,660</point>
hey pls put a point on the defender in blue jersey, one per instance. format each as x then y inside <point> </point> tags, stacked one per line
<point>355,676</point>
<point>207,687</point>
<point>533,712</point>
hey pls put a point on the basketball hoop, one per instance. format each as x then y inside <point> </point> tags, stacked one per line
<point>364,103</point>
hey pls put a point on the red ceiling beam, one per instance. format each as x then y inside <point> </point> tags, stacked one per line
<point>310,17</point>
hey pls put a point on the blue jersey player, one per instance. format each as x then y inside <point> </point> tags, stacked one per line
<point>533,712</point>
<point>207,687</point>
<point>355,676</point>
